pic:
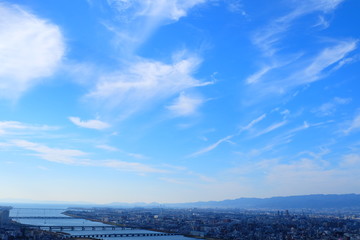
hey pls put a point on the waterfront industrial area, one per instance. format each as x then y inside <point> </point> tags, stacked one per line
<point>175,223</point>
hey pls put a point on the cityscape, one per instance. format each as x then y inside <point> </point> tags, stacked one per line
<point>180,119</point>
<point>186,223</point>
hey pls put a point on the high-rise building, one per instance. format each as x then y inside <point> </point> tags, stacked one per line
<point>4,216</point>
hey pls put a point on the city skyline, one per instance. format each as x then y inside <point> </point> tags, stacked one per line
<point>179,100</point>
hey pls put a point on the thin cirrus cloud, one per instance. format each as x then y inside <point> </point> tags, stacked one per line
<point>140,83</point>
<point>114,149</point>
<point>16,128</point>
<point>268,37</point>
<point>93,123</point>
<point>354,125</point>
<point>285,71</point>
<point>78,158</point>
<point>136,20</point>
<point>64,156</point>
<point>145,82</point>
<point>329,108</point>
<point>228,138</point>
<point>31,48</point>
<point>310,70</point>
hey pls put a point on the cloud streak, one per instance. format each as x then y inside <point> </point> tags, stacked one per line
<point>78,158</point>
<point>93,124</point>
<point>16,128</point>
<point>227,138</point>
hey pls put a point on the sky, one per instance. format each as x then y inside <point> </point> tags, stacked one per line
<point>174,101</point>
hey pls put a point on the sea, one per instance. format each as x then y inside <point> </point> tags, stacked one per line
<point>45,216</point>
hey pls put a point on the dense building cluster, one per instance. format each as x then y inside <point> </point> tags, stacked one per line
<point>234,224</point>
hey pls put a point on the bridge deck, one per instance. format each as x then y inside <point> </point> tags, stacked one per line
<point>82,228</point>
<point>37,217</point>
<point>120,235</point>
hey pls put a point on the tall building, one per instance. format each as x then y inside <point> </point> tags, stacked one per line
<point>4,216</point>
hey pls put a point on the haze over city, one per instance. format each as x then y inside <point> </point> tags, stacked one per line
<point>178,100</point>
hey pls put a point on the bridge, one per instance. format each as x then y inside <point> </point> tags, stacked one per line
<point>37,217</point>
<point>120,235</point>
<point>81,228</point>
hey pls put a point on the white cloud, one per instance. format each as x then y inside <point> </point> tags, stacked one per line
<point>140,83</point>
<point>15,127</point>
<point>354,125</point>
<point>267,38</point>
<point>108,148</point>
<point>144,82</point>
<point>185,105</point>
<point>76,158</point>
<point>322,22</point>
<point>93,124</point>
<point>227,138</point>
<point>236,6</point>
<point>114,149</point>
<point>159,9</point>
<point>31,48</point>
<point>136,20</point>
<point>311,69</point>
<point>280,78</point>
<point>254,78</point>
<point>330,107</point>
<point>253,122</point>
<point>64,156</point>
<point>137,155</point>
<point>211,147</point>
<point>326,58</point>
<point>271,128</point>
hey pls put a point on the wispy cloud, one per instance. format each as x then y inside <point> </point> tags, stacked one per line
<point>297,68</point>
<point>141,83</point>
<point>16,128</point>
<point>137,20</point>
<point>268,37</point>
<point>93,124</point>
<point>114,149</point>
<point>108,148</point>
<point>145,82</point>
<point>354,125</point>
<point>236,6</point>
<point>253,122</point>
<point>327,57</point>
<point>79,158</point>
<point>64,156</point>
<point>329,108</point>
<point>186,105</point>
<point>211,147</point>
<point>31,49</point>
<point>228,138</point>
<point>311,69</point>
<point>271,128</point>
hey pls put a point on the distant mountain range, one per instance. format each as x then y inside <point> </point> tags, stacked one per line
<point>318,201</point>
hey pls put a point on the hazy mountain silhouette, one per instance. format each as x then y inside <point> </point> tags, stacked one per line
<point>318,201</point>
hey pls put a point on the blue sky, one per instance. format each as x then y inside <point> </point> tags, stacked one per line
<point>178,100</point>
